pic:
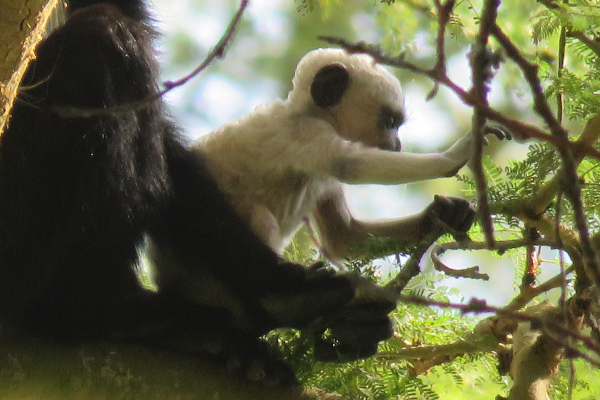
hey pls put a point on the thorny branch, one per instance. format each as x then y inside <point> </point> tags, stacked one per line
<point>491,333</point>
<point>462,347</point>
<point>444,13</point>
<point>412,267</point>
<point>470,273</point>
<point>217,52</point>
<point>529,292</point>
<point>541,338</point>
<point>563,273</point>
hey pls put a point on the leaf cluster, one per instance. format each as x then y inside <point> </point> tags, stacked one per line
<point>520,180</point>
<point>575,73</point>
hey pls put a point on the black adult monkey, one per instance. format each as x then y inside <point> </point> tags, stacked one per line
<point>79,197</point>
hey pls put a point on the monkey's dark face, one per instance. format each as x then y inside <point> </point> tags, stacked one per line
<point>389,122</point>
<point>370,124</point>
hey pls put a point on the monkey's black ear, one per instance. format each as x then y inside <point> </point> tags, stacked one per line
<point>329,85</point>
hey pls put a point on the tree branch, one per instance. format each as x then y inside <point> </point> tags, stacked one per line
<point>481,61</point>
<point>217,52</point>
<point>571,188</point>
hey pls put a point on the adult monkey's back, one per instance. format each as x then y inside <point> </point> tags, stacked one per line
<point>80,196</point>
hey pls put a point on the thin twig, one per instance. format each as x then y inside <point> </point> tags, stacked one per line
<point>470,273</point>
<point>528,294</point>
<point>502,246</point>
<point>531,261</point>
<point>411,267</point>
<point>562,300</point>
<point>217,52</point>
<point>477,345</point>
<point>562,44</point>
<point>443,11</point>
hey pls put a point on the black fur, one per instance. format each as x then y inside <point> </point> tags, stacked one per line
<point>329,85</point>
<point>79,194</point>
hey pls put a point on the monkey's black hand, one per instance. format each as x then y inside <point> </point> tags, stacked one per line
<point>346,313</point>
<point>319,269</point>
<point>500,132</point>
<point>457,213</point>
<point>356,331</point>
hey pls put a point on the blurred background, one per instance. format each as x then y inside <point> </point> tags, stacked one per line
<point>258,68</point>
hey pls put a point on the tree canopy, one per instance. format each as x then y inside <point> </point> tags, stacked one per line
<point>523,324</point>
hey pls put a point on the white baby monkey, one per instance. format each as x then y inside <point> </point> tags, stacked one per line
<point>288,160</point>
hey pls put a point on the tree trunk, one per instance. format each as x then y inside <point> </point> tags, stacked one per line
<point>32,368</point>
<point>22,26</point>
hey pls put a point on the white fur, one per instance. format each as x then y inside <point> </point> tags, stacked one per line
<point>277,164</point>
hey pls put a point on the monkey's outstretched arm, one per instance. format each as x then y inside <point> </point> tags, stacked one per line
<point>354,163</point>
<point>324,152</point>
<point>358,164</point>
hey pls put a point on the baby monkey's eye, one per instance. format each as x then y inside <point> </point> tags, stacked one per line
<point>392,122</point>
<point>390,119</point>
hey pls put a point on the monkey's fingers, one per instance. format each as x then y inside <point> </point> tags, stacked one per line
<point>457,214</point>
<point>357,330</point>
<point>355,336</point>
<point>500,132</point>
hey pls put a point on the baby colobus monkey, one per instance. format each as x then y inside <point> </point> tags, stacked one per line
<point>288,160</point>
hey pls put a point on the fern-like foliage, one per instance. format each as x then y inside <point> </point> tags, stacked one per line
<point>546,23</point>
<point>579,83</point>
<point>521,179</point>
<point>581,93</point>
